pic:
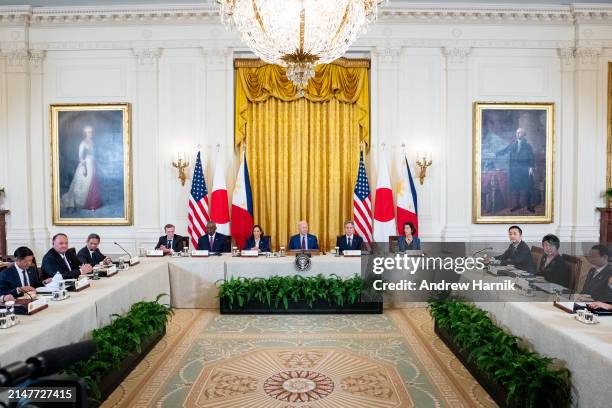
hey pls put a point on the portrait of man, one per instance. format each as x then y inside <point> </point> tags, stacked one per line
<point>513,145</point>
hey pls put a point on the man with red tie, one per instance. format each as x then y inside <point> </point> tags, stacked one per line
<point>59,259</point>
<point>213,241</point>
<point>303,240</point>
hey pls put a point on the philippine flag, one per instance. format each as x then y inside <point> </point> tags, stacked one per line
<point>242,205</point>
<point>219,211</point>
<point>384,217</point>
<point>406,199</point>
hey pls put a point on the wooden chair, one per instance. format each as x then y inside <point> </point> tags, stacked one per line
<point>186,241</point>
<point>393,243</point>
<point>536,255</point>
<point>575,265</point>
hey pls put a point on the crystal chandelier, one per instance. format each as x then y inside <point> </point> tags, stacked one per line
<point>299,34</point>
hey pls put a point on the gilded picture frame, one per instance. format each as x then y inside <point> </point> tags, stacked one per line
<point>91,156</point>
<point>513,162</point>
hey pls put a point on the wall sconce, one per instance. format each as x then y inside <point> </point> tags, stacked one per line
<point>181,164</point>
<point>423,161</point>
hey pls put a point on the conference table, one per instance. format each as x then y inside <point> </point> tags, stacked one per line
<point>586,350</point>
<point>192,283</point>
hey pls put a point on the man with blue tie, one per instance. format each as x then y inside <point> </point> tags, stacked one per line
<point>348,241</point>
<point>213,241</point>
<point>21,278</point>
<point>303,240</point>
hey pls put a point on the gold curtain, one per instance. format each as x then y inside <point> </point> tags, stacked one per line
<point>302,152</point>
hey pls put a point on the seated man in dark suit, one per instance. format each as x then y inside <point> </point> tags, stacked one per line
<point>90,253</point>
<point>349,240</point>
<point>58,259</point>
<point>213,241</point>
<point>170,242</point>
<point>518,253</point>
<point>22,277</point>
<point>303,240</point>
<point>597,283</point>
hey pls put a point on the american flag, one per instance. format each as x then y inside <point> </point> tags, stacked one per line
<point>362,206</point>
<point>198,205</point>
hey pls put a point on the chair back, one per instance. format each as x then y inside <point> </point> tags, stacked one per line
<point>186,241</point>
<point>575,265</point>
<point>393,243</point>
<point>536,255</point>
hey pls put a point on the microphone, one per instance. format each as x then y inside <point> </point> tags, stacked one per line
<point>482,250</point>
<point>46,363</point>
<point>124,250</point>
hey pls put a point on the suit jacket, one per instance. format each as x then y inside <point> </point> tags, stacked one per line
<point>403,246</point>
<point>10,281</point>
<point>220,244</point>
<point>342,243</point>
<point>597,286</point>
<point>264,244</point>
<point>520,258</point>
<point>86,258</point>
<point>557,271</point>
<point>52,262</point>
<point>177,242</point>
<point>295,242</point>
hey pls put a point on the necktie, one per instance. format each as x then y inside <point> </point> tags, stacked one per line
<point>349,241</point>
<point>303,242</point>
<point>169,244</point>
<point>26,281</point>
<point>210,242</point>
<point>67,263</point>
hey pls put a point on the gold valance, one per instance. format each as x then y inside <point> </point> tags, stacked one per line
<point>345,80</point>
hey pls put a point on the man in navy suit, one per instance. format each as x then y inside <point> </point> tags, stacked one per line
<point>213,241</point>
<point>171,241</point>
<point>22,277</point>
<point>598,281</point>
<point>90,253</point>
<point>303,240</point>
<point>349,240</point>
<point>59,259</point>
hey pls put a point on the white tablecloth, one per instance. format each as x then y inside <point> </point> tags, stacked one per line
<point>192,281</point>
<point>73,319</point>
<point>586,349</point>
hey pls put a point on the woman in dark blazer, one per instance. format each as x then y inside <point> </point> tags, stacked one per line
<point>552,265</point>
<point>408,242</point>
<point>257,240</point>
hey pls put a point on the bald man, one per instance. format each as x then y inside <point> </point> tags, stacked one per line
<point>303,240</point>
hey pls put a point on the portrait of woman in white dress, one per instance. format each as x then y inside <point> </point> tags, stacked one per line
<point>84,189</point>
<point>91,164</point>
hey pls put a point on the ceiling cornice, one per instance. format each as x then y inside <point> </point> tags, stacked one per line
<point>395,13</point>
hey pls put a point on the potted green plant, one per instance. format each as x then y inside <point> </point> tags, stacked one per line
<point>608,195</point>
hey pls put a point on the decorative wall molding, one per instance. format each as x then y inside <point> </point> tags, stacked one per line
<point>456,55</point>
<point>568,57</point>
<point>407,13</point>
<point>588,57</point>
<point>147,57</point>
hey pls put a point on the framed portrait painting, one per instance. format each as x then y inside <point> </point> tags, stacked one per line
<point>513,162</point>
<point>91,164</point>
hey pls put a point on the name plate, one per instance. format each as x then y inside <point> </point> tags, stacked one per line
<point>134,260</point>
<point>199,252</point>
<point>37,305</point>
<point>111,270</point>
<point>81,284</point>
<point>351,252</point>
<point>250,252</point>
<point>155,252</point>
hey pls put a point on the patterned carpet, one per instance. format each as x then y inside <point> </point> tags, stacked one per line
<point>304,361</point>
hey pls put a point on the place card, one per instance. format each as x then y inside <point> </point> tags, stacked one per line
<point>136,260</point>
<point>199,252</point>
<point>351,252</point>
<point>81,284</point>
<point>155,252</point>
<point>250,252</point>
<point>37,305</point>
